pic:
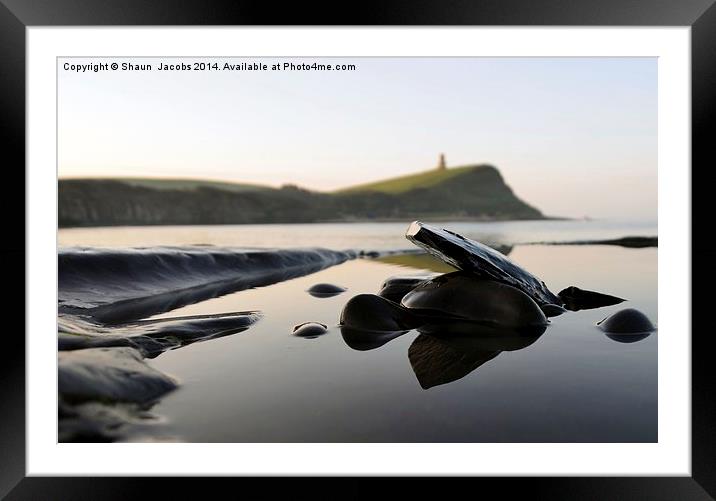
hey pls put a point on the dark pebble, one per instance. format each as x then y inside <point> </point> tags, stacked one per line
<point>325,290</point>
<point>627,321</point>
<point>310,330</point>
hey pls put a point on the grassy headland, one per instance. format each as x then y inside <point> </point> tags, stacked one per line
<point>473,192</point>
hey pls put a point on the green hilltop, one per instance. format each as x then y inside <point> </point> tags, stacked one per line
<point>184,184</point>
<point>471,193</point>
<point>409,182</point>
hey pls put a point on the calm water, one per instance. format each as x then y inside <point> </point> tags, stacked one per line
<point>377,236</point>
<point>264,385</point>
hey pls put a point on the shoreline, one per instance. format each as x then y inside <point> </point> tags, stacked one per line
<point>441,219</point>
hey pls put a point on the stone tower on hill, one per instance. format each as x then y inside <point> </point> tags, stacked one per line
<point>441,162</point>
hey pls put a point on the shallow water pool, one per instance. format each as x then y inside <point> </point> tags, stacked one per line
<point>571,384</point>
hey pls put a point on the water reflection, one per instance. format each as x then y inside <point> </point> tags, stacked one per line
<point>628,338</point>
<point>446,352</point>
<point>436,362</point>
<point>428,262</point>
<point>363,340</point>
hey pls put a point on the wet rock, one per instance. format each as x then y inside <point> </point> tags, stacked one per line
<point>478,259</point>
<point>90,422</point>
<point>115,286</point>
<point>395,288</point>
<point>152,337</point>
<point>363,340</point>
<point>634,242</point>
<point>552,310</point>
<point>463,296</point>
<point>374,313</point>
<point>310,330</point>
<point>325,290</point>
<point>110,374</point>
<point>121,285</point>
<point>637,242</point>
<point>67,342</point>
<point>502,249</point>
<point>96,421</point>
<point>576,299</point>
<point>627,321</point>
<point>193,327</point>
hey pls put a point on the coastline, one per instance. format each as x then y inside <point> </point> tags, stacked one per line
<point>406,220</point>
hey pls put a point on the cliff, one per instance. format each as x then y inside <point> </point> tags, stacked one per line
<point>476,192</point>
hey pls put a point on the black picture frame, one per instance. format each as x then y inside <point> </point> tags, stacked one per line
<point>17,15</point>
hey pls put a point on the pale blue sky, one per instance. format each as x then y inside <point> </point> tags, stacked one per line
<point>572,136</point>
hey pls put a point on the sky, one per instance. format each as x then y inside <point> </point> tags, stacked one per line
<point>572,136</point>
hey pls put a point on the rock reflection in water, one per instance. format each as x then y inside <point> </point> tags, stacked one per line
<point>364,340</point>
<point>446,353</point>
<point>628,338</point>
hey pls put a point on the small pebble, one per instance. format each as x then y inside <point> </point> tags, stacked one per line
<point>627,321</point>
<point>310,330</point>
<point>325,290</point>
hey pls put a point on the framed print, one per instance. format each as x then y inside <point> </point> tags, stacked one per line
<point>420,242</point>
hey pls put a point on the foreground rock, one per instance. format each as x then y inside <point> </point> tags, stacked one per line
<point>552,310</point>
<point>369,312</point>
<point>463,296</point>
<point>105,388</point>
<point>110,374</point>
<point>395,288</point>
<point>95,421</point>
<point>478,259</point>
<point>151,337</point>
<point>115,286</point>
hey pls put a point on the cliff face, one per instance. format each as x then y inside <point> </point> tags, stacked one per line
<point>477,192</point>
